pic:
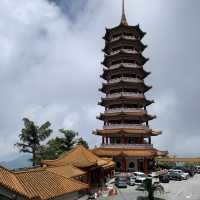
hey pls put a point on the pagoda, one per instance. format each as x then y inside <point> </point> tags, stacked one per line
<point>126,134</point>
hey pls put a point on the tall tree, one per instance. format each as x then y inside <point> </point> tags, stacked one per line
<point>57,146</point>
<point>69,139</point>
<point>83,142</point>
<point>31,137</point>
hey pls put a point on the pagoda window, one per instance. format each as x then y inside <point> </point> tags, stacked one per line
<point>118,140</point>
<point>128,34</point>
<point>112,140</point>
<point>115,76</point>
<point>131,165</point>
<point>116,35</point>
<point>115,62</point>
<point>131,140</point>
<point>118,165</point>
<point>116,48</point>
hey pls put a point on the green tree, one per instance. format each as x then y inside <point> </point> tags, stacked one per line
<point>69,139</point>
<point>57,146</point>
<point>83,142</point>
<point>31,137</point>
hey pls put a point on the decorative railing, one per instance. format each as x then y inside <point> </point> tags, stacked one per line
<point>113,110</point>
<point>129,37</point>
<point>115,38</point>
<point>114,52</point>
<point>132,94</point>
<point>123,36</point>
<point>135,80</point>
<point>129,51</point>
<point>132,65</point>
<point>128,146</point>
<point>124,50</point>
<point>114,126</point>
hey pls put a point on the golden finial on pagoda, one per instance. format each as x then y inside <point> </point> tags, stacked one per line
<point>123,19</point>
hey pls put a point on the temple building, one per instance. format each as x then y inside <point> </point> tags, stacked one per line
<point>87,167</point>
<point>126,134</point>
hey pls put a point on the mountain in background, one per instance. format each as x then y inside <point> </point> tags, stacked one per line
<point>19,162</point>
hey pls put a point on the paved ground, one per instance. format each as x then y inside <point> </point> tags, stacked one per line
<point>175,190</point>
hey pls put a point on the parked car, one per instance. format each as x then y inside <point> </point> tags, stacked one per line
<point>185,175</point>
<point>139,178</point>
<point>198,169</point>
<point>154,176</point>
<point>121,182</point>
<point>164,178</point>
<point>131,180</point>
<point>175,176</point>
<point>190,171</point>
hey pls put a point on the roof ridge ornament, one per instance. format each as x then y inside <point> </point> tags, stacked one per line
<point>123,19</point>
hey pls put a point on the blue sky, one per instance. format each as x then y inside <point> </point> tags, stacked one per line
<point>50,66</point>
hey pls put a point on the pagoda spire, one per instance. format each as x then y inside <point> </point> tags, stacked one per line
<point>123,19</point>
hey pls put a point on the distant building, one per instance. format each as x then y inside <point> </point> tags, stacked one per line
<point>179,160</point>
<point>126,135</point>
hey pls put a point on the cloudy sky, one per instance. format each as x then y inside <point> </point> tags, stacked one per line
<point>50,55</point>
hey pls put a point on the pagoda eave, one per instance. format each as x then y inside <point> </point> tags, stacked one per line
<point>137,44</point>
<point>120,28</point>
<point>139,58</point>
<point>111,101</point>
<point>126,132</point>
<point>112,152</point>
<point>138,70</point>
<point>142,116</point>
<point>139,85</point>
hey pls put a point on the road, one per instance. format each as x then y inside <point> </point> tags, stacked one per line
<point>175,190</point>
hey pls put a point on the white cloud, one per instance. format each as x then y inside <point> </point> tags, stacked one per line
<point>50,65</point>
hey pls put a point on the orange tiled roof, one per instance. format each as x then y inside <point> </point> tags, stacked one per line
<point>126,152</point>
<point>38,183</point>
<point>10,181</point>
<point>67,171</point>
<point>110,163</point>
<point>79,157</point>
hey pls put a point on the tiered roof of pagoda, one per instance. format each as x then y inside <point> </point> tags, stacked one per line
<point>124,68</point>
<point>124,88</point>
<point>134,30</point>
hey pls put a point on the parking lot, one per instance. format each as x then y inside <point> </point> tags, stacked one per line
<point>175,190</point>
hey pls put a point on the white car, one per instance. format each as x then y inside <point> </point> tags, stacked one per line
<point>154,176</point>
<point>139,178</point>
<point>131,180</point>
<point>185,175</point>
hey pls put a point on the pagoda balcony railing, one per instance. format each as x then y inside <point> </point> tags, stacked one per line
<point>128,146</point>
<point>130,51</point>
<point>123,36</point>
<point>132,65</point>
<point>113,110</point>
<point>132,94</point>
<point>114,52</point>
<point>129,37</point>
<point>115,38</point>
<point>114,126</point>
<point>124,50</point>
<point>135,80</point>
